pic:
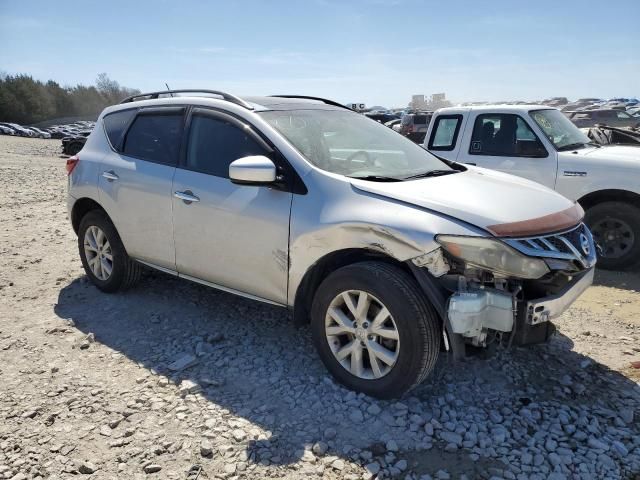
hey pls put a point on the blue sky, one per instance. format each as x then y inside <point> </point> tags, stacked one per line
<point>373,51</point>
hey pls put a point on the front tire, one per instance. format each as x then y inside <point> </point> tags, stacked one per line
<point>374,330</point>
<point>616,229</point>
<point>103,255</point>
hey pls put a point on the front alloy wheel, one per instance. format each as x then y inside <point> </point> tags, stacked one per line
<point>362,334</point>
<point>374,329</point>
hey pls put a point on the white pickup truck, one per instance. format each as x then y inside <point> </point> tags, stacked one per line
<point>541,144</point>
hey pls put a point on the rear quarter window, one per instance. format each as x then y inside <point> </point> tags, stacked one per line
<point>115,124</point>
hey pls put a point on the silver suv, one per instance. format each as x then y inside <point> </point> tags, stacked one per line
<point>392,254</point>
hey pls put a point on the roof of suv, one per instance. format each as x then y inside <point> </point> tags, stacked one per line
<point>496,108</point>
<point>252,103</point>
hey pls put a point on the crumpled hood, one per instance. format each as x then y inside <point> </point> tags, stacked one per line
<point>478,196</point>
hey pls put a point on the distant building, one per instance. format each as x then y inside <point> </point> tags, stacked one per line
<point>436,101</point>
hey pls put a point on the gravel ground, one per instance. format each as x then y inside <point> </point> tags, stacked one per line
<point>170,375</point>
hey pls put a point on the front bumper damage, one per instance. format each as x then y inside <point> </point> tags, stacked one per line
<point>473,314</point>
<point>479,308</point>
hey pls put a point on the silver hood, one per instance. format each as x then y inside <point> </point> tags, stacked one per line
<point>478,196</point>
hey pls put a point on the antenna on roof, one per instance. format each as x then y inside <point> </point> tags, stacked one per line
<point>168,89</point>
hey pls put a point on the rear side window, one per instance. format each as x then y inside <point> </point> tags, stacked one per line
<point>420,120</point>
<point>215,142</point>
<point>115,124</point>
<point>445,132</point>
<point>155,137</point>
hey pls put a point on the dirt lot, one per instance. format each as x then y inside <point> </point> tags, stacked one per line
<point>87,385</point>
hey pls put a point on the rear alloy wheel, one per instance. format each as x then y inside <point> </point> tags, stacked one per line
<point>374,330</point>
<point>103,255</point>
<point>616,230</point>
<point>97,251</point>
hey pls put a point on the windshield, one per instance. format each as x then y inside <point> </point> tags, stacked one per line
<point>351,144</point>
<point>559,129</point>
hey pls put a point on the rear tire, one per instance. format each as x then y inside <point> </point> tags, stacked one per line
<point>417,327</point>
<point>123,272</point>
<point>616,228</point>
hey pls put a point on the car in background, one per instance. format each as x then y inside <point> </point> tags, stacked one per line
<point>20,130</point>
<point>5,130</point>
<point>414,126</point>
<point>394,124</point>
<point>381,117</point>
<point>610,117</point>
<point>73,144</point>
<point>39,133</point>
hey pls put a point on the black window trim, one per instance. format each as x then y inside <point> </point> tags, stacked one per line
<point>454,140</point>
<point>546,155</point>
<point>291,180</point>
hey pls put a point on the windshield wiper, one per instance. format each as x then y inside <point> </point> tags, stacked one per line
<point>571,146</point>
<point>377,178</point>
<point>432,173</point>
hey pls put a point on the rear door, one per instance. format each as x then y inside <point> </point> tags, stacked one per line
<point>506,142</point>
<point>136,177</point>
<point>233,236</point>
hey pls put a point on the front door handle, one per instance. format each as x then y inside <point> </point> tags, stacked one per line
<point>110,175</point>
<point>187,196</point>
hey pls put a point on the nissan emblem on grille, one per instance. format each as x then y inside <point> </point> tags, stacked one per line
<point>584,244</point>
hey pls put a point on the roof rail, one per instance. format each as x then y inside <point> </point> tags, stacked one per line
<point>153,95</point>
<point>323,100</point>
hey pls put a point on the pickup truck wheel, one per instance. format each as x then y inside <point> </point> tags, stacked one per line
<point>374,330</point>
<point>103,255</point>
<point>616,229</point>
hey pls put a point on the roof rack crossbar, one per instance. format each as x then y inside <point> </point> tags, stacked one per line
<point>323,100</point>
<point>153,95</point>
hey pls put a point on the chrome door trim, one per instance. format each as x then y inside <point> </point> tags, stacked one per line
<point>209,284</point>
<point>157,267</point>
<point>230,290</point>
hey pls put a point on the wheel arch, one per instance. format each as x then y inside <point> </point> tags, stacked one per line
<point>609,195</point>
<point>81,207</point>
<point>327,264</point>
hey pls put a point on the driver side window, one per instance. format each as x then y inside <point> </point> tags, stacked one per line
<point>504,134</point>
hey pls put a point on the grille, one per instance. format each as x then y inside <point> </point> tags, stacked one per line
<point>574,245</point>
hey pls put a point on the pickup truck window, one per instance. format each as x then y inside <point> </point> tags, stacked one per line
<point>559,129</point>
<point>504,134</point>
<point>445,132</point>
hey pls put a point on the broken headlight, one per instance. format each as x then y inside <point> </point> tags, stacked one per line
<point>493,255</point>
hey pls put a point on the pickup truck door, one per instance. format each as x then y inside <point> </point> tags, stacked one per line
<point>507,142</point>
<point>233,237</point>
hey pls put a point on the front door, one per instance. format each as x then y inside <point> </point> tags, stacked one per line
<point>233,236</point>
<point>506,142</point>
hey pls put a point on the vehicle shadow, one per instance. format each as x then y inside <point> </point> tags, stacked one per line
<point>253,362</point>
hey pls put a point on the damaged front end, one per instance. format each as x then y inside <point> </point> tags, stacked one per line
<point>505,291</point>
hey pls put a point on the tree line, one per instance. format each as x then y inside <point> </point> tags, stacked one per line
<point>24,100</point>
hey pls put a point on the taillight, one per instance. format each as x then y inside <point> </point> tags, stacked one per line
<point>71,163</point>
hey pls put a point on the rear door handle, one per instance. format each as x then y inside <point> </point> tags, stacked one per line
<point>110,175</point>
<point>187,196</point>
